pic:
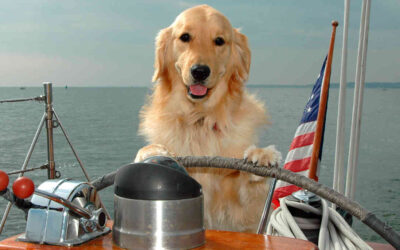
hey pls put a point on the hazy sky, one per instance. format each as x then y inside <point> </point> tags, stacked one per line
<point>111,43</point>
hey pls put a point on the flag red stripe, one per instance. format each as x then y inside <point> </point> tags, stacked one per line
<point>284,191</point>
<point>298,165</point>
<point>302,140</point>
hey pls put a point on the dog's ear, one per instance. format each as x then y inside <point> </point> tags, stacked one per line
<point>160,65</point>
<point>242,56</point>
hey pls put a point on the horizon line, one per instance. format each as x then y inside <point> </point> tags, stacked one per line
<point>349,84</point>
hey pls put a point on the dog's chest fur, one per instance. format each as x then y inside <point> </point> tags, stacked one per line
<point>221,132</point>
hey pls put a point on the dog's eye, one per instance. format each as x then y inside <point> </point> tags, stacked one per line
<point>185,37</point>
<point>219,41</point>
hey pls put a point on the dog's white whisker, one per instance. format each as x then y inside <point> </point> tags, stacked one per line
<point>177,68</point>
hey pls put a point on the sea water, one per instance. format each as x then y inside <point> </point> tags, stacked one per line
<point>102,124</point>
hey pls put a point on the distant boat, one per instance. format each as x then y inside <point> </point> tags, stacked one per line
<point>22,88</point>
<point>66,86</point>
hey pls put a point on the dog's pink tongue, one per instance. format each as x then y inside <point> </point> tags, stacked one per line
<point>198,89</point>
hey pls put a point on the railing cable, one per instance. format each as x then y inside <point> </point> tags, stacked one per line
<point>40,98</point>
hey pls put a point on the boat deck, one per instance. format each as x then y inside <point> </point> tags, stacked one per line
<point>214,240</point>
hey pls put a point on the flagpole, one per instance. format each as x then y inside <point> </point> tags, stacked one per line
<point>322,108</point>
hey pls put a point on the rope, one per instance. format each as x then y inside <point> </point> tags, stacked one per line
<point>38,99</point>
<point>334,232</point>
<point>355,209</point>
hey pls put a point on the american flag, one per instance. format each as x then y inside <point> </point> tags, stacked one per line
<point>299,156</point>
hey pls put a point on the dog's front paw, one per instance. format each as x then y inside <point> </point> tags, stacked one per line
<point>267,156</point>
<point>152,150</point>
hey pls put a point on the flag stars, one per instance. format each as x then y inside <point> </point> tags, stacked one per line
<point>309,109</point>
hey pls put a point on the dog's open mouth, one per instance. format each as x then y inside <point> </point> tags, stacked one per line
<point>197,91</point>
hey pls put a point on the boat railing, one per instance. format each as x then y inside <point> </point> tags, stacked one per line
<point>52,121</point>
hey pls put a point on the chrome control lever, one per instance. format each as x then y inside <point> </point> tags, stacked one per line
<point>92,218</point>
<point>80,211</point>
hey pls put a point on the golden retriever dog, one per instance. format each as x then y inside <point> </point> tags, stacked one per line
<point>200,107</point>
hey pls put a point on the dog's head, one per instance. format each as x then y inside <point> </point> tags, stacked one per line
<point>201,54</point>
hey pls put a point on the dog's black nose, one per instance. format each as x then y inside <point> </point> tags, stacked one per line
<point>200,72</point>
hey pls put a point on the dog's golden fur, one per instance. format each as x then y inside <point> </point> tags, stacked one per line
<point>222,123</point>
